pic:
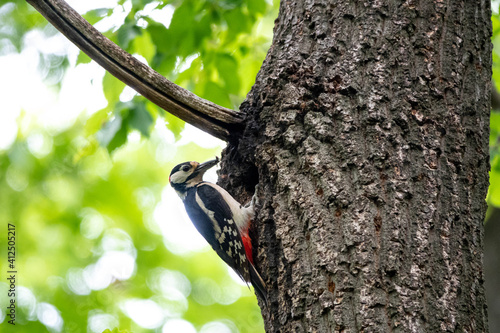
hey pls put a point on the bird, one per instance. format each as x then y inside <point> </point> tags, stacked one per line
<point>219,218</point>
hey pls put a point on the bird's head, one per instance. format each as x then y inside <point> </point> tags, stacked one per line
<point>188,174</point>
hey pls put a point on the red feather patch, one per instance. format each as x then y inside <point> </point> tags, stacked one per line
<point>247,243</point>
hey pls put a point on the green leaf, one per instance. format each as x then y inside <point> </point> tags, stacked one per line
<point>203,30</point>
<point>175,125</point>
<point>140,119</point>
<point>217,94</point>
<point>181,33</point>
<point>257,6</point>
<point>139,4</point>
<point>493,196</point>
<point>495,24</point>
<point>228,69</point>
<point>127,33</point>
<point>144,46</point>
<point>494,138</point>
<point>159,36</point>
<point>112,88</point>
<point>494,123</point>
<point>230,4</point>
<point>237,23</point>
<point>96,121</point>
<point>183,19</point>
<point>113,134</point>
<point>82,58</point>
<point>95,15</point>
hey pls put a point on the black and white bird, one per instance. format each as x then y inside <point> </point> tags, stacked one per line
<point>219,218</point>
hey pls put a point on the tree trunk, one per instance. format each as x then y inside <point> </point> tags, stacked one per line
<point>367,132</point>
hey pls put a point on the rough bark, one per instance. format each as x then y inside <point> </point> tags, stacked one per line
<point>367,132</point>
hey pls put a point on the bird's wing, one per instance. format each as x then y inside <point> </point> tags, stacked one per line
<point>228,243</point>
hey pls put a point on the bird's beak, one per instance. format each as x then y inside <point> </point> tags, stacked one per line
<point>202,168</point>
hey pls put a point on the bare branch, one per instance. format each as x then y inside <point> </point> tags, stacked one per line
<point>221,122</point>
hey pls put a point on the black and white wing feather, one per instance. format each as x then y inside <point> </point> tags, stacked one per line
<point>221,231</point>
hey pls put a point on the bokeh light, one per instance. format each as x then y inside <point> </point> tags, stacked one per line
<point>49,316</point>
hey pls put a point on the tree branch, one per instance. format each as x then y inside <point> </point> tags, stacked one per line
<point>216,120</point>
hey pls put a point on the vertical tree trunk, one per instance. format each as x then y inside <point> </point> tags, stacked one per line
<point>368,135</point>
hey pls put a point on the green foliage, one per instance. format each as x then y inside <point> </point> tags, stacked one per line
<point>16,19</point>
<point>73,217</point>
<point>87,197</point>
<point>494,190</point>
<point>127,117</point>
<point>213,48</point>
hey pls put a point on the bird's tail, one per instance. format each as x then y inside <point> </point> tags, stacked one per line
<point>258,284</point>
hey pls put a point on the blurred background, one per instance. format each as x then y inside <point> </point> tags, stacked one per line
<point>102,240</point>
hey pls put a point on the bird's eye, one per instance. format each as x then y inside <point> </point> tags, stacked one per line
<point>185,168</point>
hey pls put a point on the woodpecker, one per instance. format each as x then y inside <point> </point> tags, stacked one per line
<point>219,218</point>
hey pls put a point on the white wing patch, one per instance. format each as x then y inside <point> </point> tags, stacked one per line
<point>209,213</point>
<point>220,234</point>
<point>240,221</point>
<point>241,215</point>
